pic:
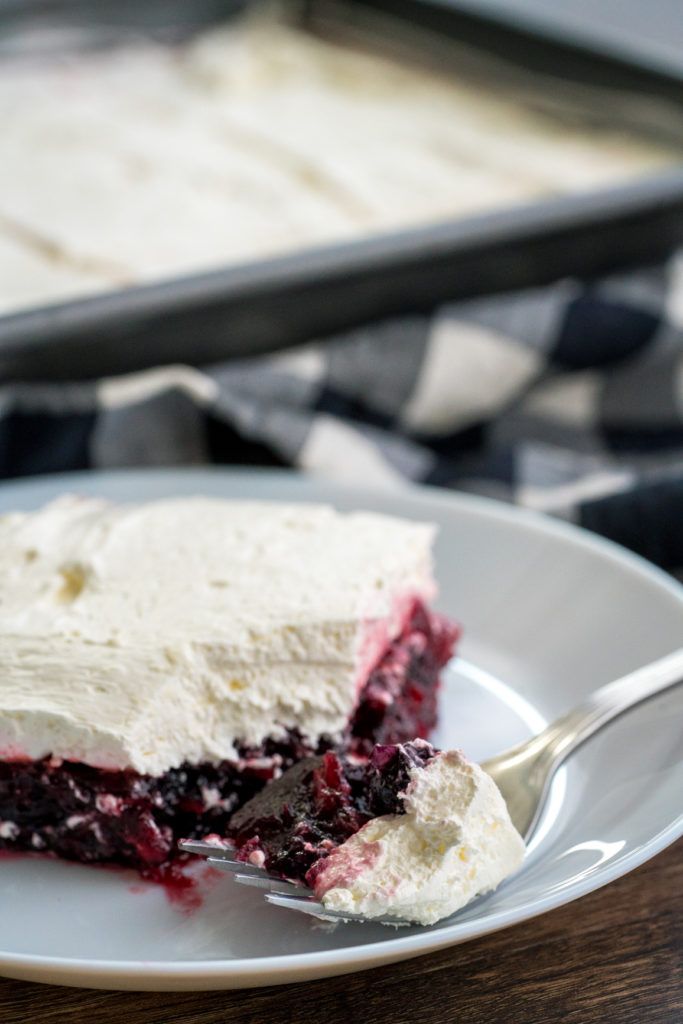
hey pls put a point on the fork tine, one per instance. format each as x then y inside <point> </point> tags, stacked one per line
<point>291,902</point>
<point>273,885</point>
<point>234,867</point>
<point>241,871</point>
<point>315,909</point>
<point>204,849</point>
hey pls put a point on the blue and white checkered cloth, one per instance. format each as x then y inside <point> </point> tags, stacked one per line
<point>567,399</point>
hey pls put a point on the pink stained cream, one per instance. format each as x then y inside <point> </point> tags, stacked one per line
<point>377,635</point>
<point>14,755</point>
<point>343,866</point>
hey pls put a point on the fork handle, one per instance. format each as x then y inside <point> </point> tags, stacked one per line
<point>562,737</point>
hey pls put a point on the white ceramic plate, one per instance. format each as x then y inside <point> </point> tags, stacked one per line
<point>550,613</point>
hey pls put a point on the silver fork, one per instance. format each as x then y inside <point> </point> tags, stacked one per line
<point>281,893</point>
<point>523,774</point>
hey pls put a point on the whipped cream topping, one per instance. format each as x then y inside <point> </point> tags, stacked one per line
<point>144,636</point>
<point>454,842</point>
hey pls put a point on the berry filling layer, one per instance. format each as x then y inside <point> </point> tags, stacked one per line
<point>293,825</point>
<point>87,814</point>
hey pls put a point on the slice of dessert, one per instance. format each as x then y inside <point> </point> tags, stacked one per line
<point>162,662</point>
<point>412,833</point>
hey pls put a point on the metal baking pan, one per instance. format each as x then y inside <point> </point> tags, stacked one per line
<point>649,35</point>
<point>261,306</point>
<point>44,25</point>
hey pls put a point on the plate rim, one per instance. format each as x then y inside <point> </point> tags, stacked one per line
<point>296,967</point>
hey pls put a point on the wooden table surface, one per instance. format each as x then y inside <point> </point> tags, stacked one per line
<point>615,956</point>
